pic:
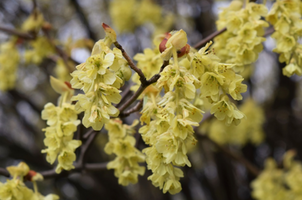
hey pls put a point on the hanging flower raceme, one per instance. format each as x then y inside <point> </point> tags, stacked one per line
<point>122,144</point>
<point>170,118</point>
<point>249,130</point>
<point>8,67</point>
<point>285,16</point>
<point>279,184</point>
<point>242,42</point>
<point>17,190</point>
<point>100,77</point>
<point>62,123</point>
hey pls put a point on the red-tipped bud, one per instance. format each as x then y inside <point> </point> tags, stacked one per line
<point>162,45</point>
<point>109,32</point>
<point>30,175</point>
<point>68,85</point>
<point>46,26</point>
<point>183,51</point>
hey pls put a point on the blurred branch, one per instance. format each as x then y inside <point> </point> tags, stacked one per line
<point>60,52</point>
<point>86,146</point>
<point>269,31</point>
<point>83,19</point>
<point>209,38</point>
<point>142,77</point>
<point>52,173</point>
<point>15,32</point>
<point>142,87</point>
<point>125,93</point>
<point>248,165</point>
<point>17,95</point>
<point>216,33</point>
<point>136,108</point>
<point>4,172</point>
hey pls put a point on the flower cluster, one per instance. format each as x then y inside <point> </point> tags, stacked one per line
<point>216,80</point>
<point>39,49</point>
<point>122,144</point>
<point>149,62</point>
<point>279,184</point>
<point>15,189</point>
<point>128,14</point>
<point>249,129</point>
<point>170,119</point>
<point>62,123</point>
<point>9,60</point>
<point>285,16</point>
<point>242,42</point>
<point>100,77</point>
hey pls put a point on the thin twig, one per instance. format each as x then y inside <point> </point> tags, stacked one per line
<point>136,108</point>
<point>86,147</point>
<point>209,38</point>
<point>88,133</point>
<point>17,95</point>
<point>60,52</point>
<point>248,165</point>
<point>131,64</point>
<point>4,172</point>
<point>83,19</point>
<point>124,95</point>
<point>142,87</point>
<point>15,32</point>
<point>269,31</point>
<point>77,168</point>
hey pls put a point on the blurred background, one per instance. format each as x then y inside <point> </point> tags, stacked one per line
<point>275,101</point>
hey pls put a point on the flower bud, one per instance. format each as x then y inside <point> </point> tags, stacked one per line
<point>162,45</point>
<point>21,170</point>
<point>127,73</point>
<point>109,32</point>
<point>183,51</point>
<point>33,176</point>
<point>59,86</point>
<point>178,40</point>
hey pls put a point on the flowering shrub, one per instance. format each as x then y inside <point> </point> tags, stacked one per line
<point>183,93</point>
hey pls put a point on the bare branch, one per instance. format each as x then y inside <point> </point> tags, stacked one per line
<point>131,63</point>
<point>209,38</point>
<point>4,172</point>
<point>85,147</point>
<point>15,32</point>
<point>269,31</point>
<point>83,19</point>
<point>136,108</point>
<point>142,87</point>
<point>60,52</point>
<point>52,173</point>
<point>248,165</point>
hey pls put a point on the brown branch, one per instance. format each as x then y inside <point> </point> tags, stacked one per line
<point>124,95</point>
<point>15,32</point>
<point>209,38</point>
<point>78,168</point>
<point>4,172</point>
<point>83,19</point>
<point>269,31</point>
<point>131,64</point>
<point>86,147</point>
<point>142,87</point>
<point>136,108</point>
<point>248,165</point>
<point>60,52</point>
<point>19,96</point>
<point>88,133</point>
<point>52,173</point>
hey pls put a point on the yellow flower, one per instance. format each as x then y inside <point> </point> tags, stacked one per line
<point>292,69</point>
